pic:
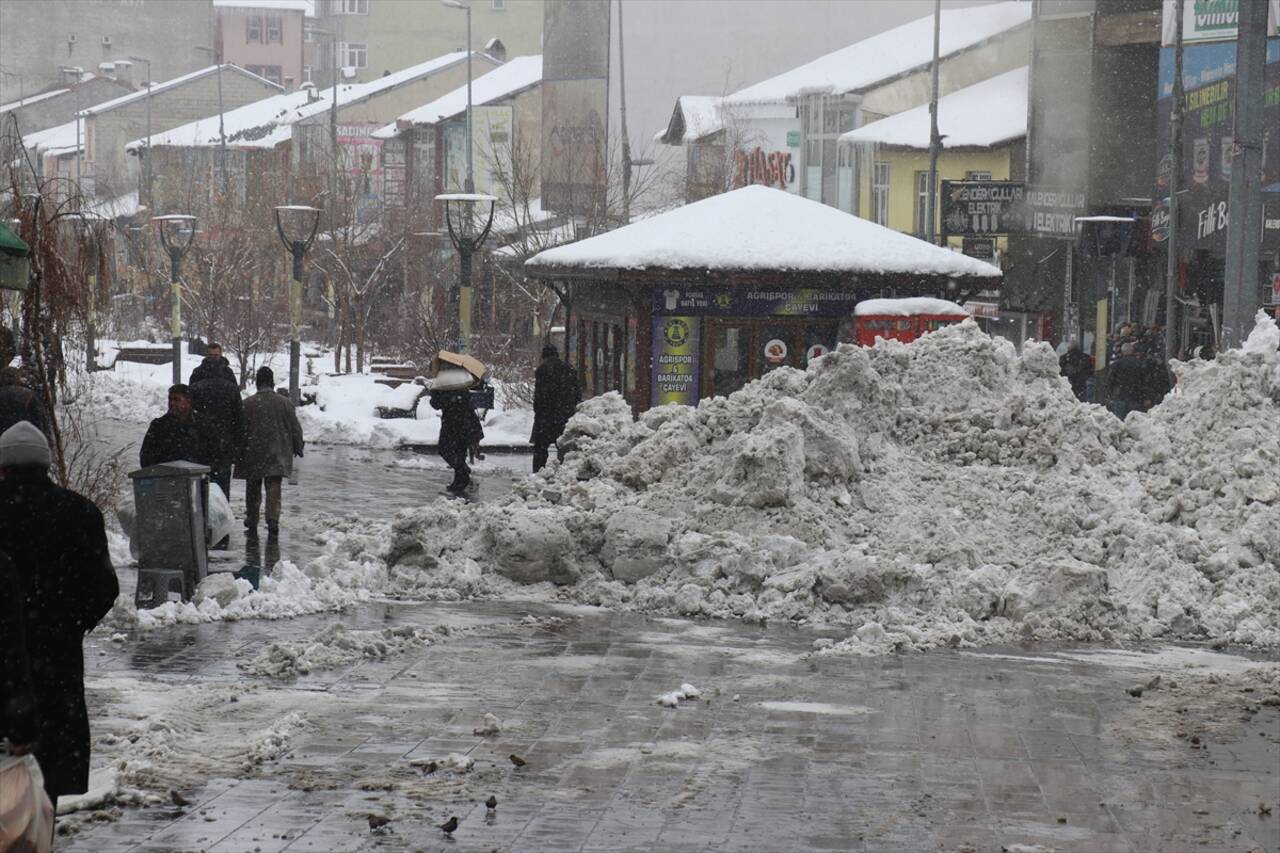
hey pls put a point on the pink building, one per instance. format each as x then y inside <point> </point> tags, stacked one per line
<point>266,37</point>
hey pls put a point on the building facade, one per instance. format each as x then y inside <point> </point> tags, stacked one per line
<point>60,105</point>
<point>266,37</point>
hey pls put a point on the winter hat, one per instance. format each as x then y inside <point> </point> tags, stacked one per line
<point>23,445</point>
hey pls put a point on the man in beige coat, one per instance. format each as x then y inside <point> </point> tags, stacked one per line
<point>272,437</point>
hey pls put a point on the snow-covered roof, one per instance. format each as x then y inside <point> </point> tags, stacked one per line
<point>31,99</point>
<point>266,123</point>
<point>890,53</point>
<point>981,115</point>
<point>54,140</point>
<point>306,7</point>
<point>504,81</point>
<point>157,88</point>
<point>759,228</point>
<point>908,307</point>
<point>694,117</point>
<point>120,207</point>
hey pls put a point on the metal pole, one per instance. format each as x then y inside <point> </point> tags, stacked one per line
<point>626,140</point>
<point>935,141</point>
<point>1175,173</point>
<point>470,185</point>
<point>1244,204</point>
<point>150,201</point>
<point>295,322</point>
<point>222,136</point>
<point>464,298</point>
<point>175,264</point>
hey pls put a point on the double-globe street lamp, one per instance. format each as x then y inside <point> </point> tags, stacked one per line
<point>177,230</point>
<point>302,219</point>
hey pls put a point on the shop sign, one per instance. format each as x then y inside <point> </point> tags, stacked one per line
<point>1160,221</point>
<point>816,351</point>
<point>752,302</point>
<point>775,352</point>
<point>983,248</point>
<point>980,208</point>
<point>1275,288</point>
<point>675,360</point>
<point>757,167</point>
<point>1051,211</point>
<point>989,310</point>
<point>1212,20</point>
<point>793,139</point>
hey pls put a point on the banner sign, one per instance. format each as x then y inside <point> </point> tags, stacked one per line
<point>676,363</point>
<point>980,208</point>
<point>753,302</point>
<point>575,105</point>
<point>983,248</point>
<point>1211,20</point>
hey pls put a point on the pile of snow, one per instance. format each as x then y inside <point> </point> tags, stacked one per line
<point>335,646</point>
<point>947,491</point>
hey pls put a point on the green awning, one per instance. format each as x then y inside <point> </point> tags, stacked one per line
<point>11,243</point>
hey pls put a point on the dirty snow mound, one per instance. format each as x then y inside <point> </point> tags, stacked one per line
<point>947,491</point>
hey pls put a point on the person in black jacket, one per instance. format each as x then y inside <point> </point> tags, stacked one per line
<point>555,396</point>
<point>178,434</point>
<point>1077,367</point>
<point>18,403</point>
<point>58,545</point>
<point>215,398</point>
<point>1126,383</point>
<point>459,429</point>
<point>19,718</point>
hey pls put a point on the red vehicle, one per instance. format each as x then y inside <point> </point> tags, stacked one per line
<point>902,319</point>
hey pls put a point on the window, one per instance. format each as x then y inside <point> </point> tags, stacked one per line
<point>499,5</point>
<point>253,29</point>
<point>824,118</point>
<point>880,193</point>
<point>350,7</point>
<point>354,55</point>
<point>922,203</point>
<point>309,31</point>
<point>306,74</point>
<point>275,32</point>
<point>274,73</point>
<point>977,176</point>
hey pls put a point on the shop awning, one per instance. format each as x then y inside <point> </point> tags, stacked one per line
<point>11,243</point>
<point>759,231</point>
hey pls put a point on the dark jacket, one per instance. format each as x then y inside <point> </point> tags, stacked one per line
<point>19,719</point>
<point>169,439</point>
<point>1127,379</point>
<point>1077,367</point>
<point>212,368</point>
<point>216,398</point>
<point>21,404</point>
<point>1155,380</point>
<point>272,437</point>
<point>56,540</point>
<point>555,397</point>
<point>459,425</point>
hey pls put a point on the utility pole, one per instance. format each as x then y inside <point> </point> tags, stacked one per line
<point>470,185</point>
<point>1244,204</point>
<point>935,141</point>
<point>626,139</point>
<point>1172,329</point>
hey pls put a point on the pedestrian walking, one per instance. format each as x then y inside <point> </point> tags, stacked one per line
<point>1077,367</point>
<point>459,429</point>
<point>18,403</point>
<point>215,397</point>
<point>179,434</point>
<point>58,545</point>
<point>1126,383</point>
<point>272,437</point>
<point>556,395</point>
<point>19,719</point>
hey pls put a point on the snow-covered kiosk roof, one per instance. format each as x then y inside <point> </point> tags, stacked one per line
<point>757,231</point>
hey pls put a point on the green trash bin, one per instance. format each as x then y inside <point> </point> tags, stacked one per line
<point>170,500</point>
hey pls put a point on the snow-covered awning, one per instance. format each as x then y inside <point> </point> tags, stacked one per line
<point>908,307</point>
<point>756,229</point>
<point>890,53</point>
<point>979,116</point>
<point>157,88</point>
<point>506,80</point>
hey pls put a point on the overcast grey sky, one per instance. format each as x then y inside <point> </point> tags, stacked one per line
<point>713,47</point>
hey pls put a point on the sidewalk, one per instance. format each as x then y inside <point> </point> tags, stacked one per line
<point>945,751</point>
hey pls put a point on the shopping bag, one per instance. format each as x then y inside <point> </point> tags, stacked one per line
<point>221,522</point>
<point>26,815</point>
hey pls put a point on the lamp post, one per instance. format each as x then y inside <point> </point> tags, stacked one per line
<point>465,208</point>
<point>469,186</point>
<point>89,226</point>
<point>297,214</point>
<point>177,230</point>
<point>148,163</point>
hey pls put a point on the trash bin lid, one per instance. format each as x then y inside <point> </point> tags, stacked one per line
<point>177,468</point>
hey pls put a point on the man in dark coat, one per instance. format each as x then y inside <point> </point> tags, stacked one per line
<point>459,429</point>
<point>1077,367</point>
<point>179,434</point>
<point>1126,383</point>
<point>19,717</point>
<point>555,396</point>
<point>215,397</point>
<point>58,544</point>
<point>18,403</point>
<point>272,437</point>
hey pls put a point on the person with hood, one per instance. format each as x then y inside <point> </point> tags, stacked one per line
<point>555,397</point>
<point>178,434</point>
<point>1077,367</point>
<point>18,403</point>
<point>215,397</point>
<point>58,545</point>
<point>460,429</point>
<point>272,437</point>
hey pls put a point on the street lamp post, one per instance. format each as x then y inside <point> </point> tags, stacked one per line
<point>148,163</point>
<point>297,214</point>
<point>177,230</point>
<point>93,239</point>
<point>469,186</point>
<point>465,208</point>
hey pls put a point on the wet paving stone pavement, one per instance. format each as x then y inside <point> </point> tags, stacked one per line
<point>976,751</point>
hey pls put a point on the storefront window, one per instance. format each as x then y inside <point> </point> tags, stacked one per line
<point>730,358</point>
